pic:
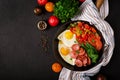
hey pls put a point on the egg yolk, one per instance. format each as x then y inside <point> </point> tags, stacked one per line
<point>68,35</point>
<point>64,51</point>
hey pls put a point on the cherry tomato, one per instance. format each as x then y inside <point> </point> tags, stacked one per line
<point>53,21</point>
<point>86,26</point>
<point>98,45</point>
<point>93,30</point>
<point>42,2</point>
<point>56,67</point>
<point>79,24</point>
<point>81,0</point>
<point>49,6</point>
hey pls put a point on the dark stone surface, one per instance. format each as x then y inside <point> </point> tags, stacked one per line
<point>21,53</point>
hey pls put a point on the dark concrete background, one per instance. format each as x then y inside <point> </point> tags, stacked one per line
<point>21,54</point>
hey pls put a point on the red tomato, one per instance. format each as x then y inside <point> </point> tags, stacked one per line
<point>80,24</point>
<point>80,40</point>
<point>81,0</point>
<point>53,21</point>
<point>98,37</point>
<point>73,30</point>
<point>86,26</point>
<point>93,30</point>
<point>42,2</point>
<point>98,45</point>
<point>91,40</point>
<point>84,37</point>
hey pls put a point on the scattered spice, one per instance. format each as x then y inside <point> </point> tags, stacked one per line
<point>44,42</point>
<point>42,25</point>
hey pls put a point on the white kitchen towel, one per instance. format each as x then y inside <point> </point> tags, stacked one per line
<point>89,12</point>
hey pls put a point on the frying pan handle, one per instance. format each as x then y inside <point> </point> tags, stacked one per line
<point>99,3</point>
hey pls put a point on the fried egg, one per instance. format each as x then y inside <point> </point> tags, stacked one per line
<point>67,37</point>
<point>65,53</point>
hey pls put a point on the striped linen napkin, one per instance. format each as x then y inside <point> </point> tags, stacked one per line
<point>90,13</point>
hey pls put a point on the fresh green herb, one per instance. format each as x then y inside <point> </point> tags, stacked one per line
<point>75,41</point>
<point>72,25</point>
<point>70,58</point>
<point>66,9</point>
<point>68,27</point>
<point>75,24</point>
<point>93,40</point>
<point>80,32</point>
<point>92,52</point>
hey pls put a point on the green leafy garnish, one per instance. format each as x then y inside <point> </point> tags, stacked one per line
<point>70,58</point>
<point>93,40</point>
<point>66,9</point>
<point>75,41</point>
<point>80,32</point>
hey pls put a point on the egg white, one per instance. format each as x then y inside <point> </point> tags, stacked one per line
<point>67,42</point>
<point>66,58</point>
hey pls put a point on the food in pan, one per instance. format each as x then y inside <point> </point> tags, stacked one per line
<point>80,44</point>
